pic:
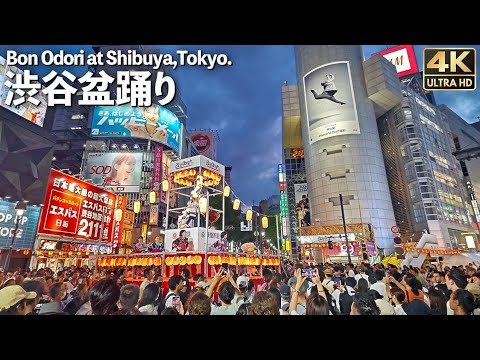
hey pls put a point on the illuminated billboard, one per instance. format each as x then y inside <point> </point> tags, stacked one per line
<point>76,209</point>
<point>33,113</point>
<point>403,57</point>
<point>118,171</point>
<point>27,226</point>
<point>330,102</point>
<point>153,123</point>
<point>204,143</point>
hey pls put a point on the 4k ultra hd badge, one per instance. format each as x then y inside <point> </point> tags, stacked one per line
<point>449,69</point>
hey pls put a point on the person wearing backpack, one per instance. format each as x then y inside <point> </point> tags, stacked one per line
<point>344,295</point>
<point>175,286</point>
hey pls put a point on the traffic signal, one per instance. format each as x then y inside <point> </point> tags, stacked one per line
<point>330,244</point>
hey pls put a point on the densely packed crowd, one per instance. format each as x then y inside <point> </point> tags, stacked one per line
<point>299,289</point>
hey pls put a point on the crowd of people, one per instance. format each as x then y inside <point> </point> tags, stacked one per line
<point>299,289</point>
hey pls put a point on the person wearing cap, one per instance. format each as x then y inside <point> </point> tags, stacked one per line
<point>285,299</point>
<point>242,284</point>
<point>13,300</point>
<point>202,285</point>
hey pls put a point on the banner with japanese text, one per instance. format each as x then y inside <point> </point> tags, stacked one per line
<point>76,209</point>
<point>118,227</point>
<point>153,219</point>
<point>154,123</point>
<point>157,169</point>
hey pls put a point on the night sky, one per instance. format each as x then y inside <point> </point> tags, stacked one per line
<point>243,102</point>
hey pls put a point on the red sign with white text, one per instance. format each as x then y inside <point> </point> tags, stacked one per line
<point>76,209</point>
<point>118,227</point>
<point>403,57</point>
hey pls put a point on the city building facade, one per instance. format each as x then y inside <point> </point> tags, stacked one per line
<point>342,148</point>
<point>293,163</point>
<point>427,184</point>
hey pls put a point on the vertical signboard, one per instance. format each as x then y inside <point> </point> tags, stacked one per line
<point>153,220</point>
<point>118,227</point>
<point>157,169</point>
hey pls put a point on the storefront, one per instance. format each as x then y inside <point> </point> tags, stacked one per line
<point>58,255</point>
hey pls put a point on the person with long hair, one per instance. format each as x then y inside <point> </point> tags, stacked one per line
<point>362,286</point>
<point>462,302</point>
<point>438,301</point>
<point>123,170</point>
<point>364,305</point>
<point>317,305</point>
<point>411,286</point>
<point>146,305</point>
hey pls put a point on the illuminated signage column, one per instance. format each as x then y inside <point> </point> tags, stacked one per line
<point>343,154</point>
<point>283,202</point>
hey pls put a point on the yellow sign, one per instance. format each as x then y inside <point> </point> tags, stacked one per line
<point>449,69</point>
<point>288,245</point>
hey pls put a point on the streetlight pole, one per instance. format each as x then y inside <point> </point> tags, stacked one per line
<point>345,230</point>
<point>19,211</point>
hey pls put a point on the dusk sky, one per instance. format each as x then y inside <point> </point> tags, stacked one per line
<point>243,102</point>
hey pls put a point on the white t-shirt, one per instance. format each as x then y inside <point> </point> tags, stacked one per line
<point>362,276</point>
<point>380,287</point>
<point>385,307</point>
<point>351,273</point>
<point>399,310</point>
<point>449,309</point>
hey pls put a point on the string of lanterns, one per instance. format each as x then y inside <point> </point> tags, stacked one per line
<point>431,251</point>
<point>325,245</point>
<point>24,251</point>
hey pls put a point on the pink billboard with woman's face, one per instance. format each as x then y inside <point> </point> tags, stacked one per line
<point>117,171</point>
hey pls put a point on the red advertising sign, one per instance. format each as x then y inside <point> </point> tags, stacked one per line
<point>76,209</point>
<point>157,169</point>
<point>118,227</point>
<point>202,142</point>
<point>403,57</point>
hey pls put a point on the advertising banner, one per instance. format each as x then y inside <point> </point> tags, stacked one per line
<point>330,101</point>
<point>154,123</point>
<point>157,169</point>
<point>300,190</point>
<point>403,57</point>
<point>118,227</point>
<point>27,226</point>
<point>170,177</point>
<point>118,171</point>
<point>128,220</point>
<point>191,243</point>
<point>28,110</point>
<point>76,209</point>
<point>153,219</point>
<point>205,144</point>
<point>196,239</point>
